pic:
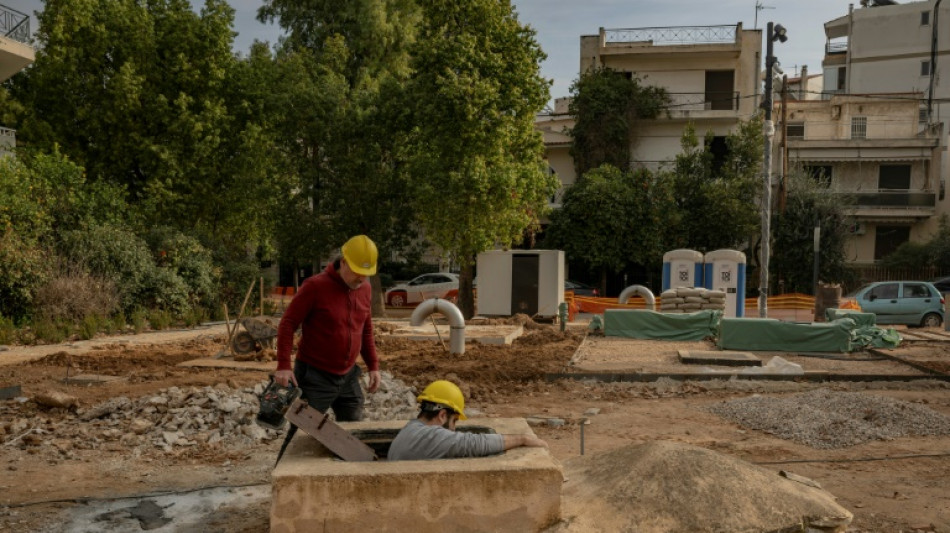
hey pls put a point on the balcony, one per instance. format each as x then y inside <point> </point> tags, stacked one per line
<point>672,35</point>
<point>893,204</point>
<point>7,140</point>
<point>14,25</point>
<point>707,101</point>
<point>839,47</point>
<point>15,50</point>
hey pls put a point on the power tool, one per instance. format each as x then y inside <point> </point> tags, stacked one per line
<point>274,403</point>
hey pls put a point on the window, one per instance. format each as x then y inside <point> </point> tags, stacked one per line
<point>915,290</point>
<point>887,239</point>
<point>795,130</point>
<point>886,291</point>
<point>859,127</point>
<point>842,74</point>
<point>720,151</point>
<point>720,87</point>
<point>925,68</point>
<point>923,116</point>
<point>925,18</point>
<point>894,177</point>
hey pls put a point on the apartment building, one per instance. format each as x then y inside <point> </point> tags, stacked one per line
<point>898,48</point>
<point>15,54</point>
<point>710,72</point>
<point>873,151</point>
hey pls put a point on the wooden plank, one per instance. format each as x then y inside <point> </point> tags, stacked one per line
<point>319,426</point>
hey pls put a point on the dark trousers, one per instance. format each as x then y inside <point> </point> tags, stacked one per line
<point>323,391</point>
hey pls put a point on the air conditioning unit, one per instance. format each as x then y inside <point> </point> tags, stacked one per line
<point>857,228</point>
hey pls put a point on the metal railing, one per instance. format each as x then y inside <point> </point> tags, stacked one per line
<point>14,25</point>
<point>889,198</point>
<point>836,48</point>
<point>711,101</point>
<point>672,35</point>
<point>7,139</point>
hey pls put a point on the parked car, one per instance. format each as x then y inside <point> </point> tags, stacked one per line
<point>915,303</point>
<point>580,289</point>
<point>942,284</point>
<point>437,285</point>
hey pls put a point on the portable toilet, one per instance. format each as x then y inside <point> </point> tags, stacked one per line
<point>725,271</point>
<point>682,268</point>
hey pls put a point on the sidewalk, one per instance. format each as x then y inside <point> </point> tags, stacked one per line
<point>11,355</point>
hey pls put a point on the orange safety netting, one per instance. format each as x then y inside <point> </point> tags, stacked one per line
<point>587,304</point>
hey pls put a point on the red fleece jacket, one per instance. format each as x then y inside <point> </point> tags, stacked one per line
<point>337,324</point>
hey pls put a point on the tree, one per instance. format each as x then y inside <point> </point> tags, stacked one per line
<point>146,95</point>
<point>607,105</point>
<point>475,158</point>
<point>934,253</point>
<point>611,219</point>
<point>717,199</point>
<point>809,202</point>
<point>340,124</point>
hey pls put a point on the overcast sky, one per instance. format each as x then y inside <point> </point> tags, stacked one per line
<point>560,23</point>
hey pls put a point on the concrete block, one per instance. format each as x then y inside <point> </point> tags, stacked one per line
<point>519,490</point>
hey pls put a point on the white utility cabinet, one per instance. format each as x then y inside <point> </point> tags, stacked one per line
<point>520,281</point>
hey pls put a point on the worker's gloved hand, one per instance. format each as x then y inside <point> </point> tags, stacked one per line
<point>374,381</point>
<point>283,377</point>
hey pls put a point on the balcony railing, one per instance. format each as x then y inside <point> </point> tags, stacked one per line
<point>672,35</point>
<point>711,101</point>
<point>836,48</point>
<point>7,140</point>
<point>891,199</point>
<point>14,25</point>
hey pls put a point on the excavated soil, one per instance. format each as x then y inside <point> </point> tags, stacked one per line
<point>897,484</point>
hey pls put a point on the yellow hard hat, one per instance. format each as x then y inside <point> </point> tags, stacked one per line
<point>360,254</point>
<point>445,393</point>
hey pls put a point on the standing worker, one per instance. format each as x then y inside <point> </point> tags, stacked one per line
<point>334,311</point>
<point>432,434</point>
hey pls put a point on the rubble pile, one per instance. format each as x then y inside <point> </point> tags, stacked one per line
<point>691,299</point>
<point>175,419</point>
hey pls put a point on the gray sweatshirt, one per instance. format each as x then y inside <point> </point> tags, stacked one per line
<point>420,441</point>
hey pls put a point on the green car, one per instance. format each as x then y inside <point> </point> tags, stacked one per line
<point>915,303</point>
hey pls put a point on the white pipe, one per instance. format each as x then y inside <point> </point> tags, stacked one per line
<point>642,291</point>
<point>448,309</point>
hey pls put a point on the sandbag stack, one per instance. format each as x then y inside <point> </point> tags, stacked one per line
<point>691,299</point>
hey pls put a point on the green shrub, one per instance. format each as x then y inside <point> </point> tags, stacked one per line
<point>160,319</point>
<point>112,253</point>
<point>49,331</point>
<point>89,326</point>
<point>8,333</point>
<point>117,323</point>
<point>194,316</point>
<point>23,268</point>
<point>166,290</point>
<point>139,317</point>
<point>188,259</point>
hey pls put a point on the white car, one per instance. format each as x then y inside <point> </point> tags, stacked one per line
<point>437,285</point>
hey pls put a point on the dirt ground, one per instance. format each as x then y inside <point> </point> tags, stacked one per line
<point>890,486</point>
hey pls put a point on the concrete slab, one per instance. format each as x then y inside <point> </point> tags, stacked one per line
<point>495,334</point>
<point>519,490</point>
<point>720,358</point>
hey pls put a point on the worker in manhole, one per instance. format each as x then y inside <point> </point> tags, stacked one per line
<point>334,312</point>
<point>432,434</point>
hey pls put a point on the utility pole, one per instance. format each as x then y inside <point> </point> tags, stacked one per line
<point>773,33</point>
<point>783,197</point>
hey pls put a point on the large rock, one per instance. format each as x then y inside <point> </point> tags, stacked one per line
<point>671,487</point>
<point>56,399</point>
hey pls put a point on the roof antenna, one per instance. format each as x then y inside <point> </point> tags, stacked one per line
<point>759,7</point>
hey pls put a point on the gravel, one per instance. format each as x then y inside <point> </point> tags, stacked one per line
<point>827,419</point>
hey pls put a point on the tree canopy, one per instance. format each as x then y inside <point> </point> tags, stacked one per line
<point>606,105</point>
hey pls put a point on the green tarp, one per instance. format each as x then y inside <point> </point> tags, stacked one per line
<point>644,324</point>
<point>861,319</point>
<point>771,334</point>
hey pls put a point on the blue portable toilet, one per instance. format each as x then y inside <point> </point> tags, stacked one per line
<point>682,268</point>
<point>725,271</point>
